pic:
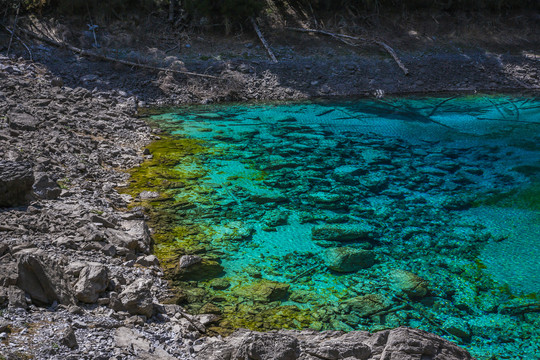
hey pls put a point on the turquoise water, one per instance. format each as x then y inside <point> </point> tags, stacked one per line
<point>368,214</point>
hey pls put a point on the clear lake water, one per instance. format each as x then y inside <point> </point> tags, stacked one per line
<point>357,215</point>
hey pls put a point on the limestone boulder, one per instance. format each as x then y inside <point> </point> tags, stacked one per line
<point>137,298</point>
<point>400,343</point>
<point>22,121</point>
<point>42,278</point>
<point>132,234</point>
<point>46,188</point>
<point>245,344</point>
<point>193,267</point>
<point>93,280</point>
<point>413,344</point>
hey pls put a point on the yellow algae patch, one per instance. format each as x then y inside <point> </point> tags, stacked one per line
<point>161,184</point>
<point>262,318</point>
<point>162,170</point>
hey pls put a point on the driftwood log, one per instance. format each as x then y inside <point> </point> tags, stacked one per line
<point>352,41</point>
<point>94,55</point>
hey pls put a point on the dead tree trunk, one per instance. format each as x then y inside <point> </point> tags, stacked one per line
<point>263,40</point>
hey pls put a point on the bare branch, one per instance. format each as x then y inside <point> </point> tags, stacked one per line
<point>108,58</point>
<point>263,40</point>
<point>20,40</point>
<point>347,40</point>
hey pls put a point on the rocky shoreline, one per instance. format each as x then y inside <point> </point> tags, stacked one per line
<point>77,274</point>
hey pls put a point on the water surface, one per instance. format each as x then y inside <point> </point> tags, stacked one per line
<point>347,215</point>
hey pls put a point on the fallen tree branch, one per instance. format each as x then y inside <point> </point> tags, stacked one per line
<point>263,40</point>
<point>393,54</point>
<point>108,58</point>
<point>12,32</point>
<point>346,39</point>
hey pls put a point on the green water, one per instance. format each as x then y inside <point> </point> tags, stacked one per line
<point>356,215</point>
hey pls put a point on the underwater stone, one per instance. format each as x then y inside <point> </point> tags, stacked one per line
<point>210,116</point>
<point>193,267</point>
<point>275,218</point>
<point>210,308</point>
<point>343,232</point>
<point>326,198</point>
<point>347,259</point>
<point>264,291</point>
<point>457,327</point>
<point>409,283</point>
<point>219,284</point>
<point>376,181</point>
<point>368,304</point>
<point>269,198</point>
<point>374,156</point>
<point>519,306</point>
<point>148,195</point>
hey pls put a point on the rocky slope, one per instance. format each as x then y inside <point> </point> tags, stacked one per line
<point>77,274</point>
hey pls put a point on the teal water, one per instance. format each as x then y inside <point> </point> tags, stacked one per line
<point>368,214</point>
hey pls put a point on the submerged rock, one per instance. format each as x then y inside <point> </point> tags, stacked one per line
<point>457,327</point>
<point>193,267</point>
<point>368,304</point>
<point>269,198</point>
<point>264,291</point>
<point>343,232</point>
<point>409,283</point>
<point>220,284</point>
<point>347,259</point>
